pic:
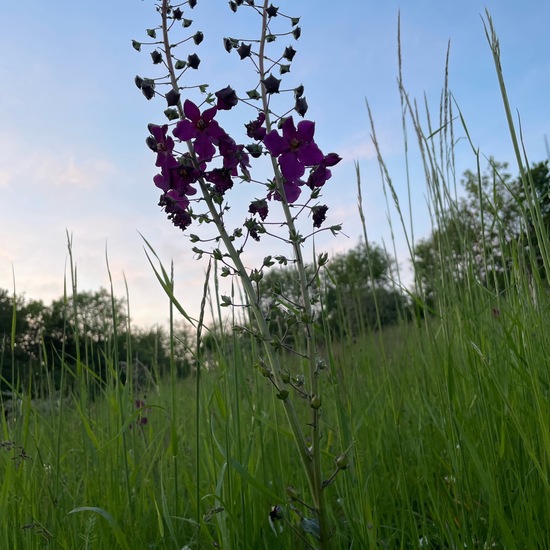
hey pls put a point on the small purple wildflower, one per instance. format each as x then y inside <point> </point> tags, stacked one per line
<point>163,145</point>
<point>254,128</point>
<point>234,156</point>
<point>319,213</point>
<point>221,178</point>
<point>319,175</point>
<point>202,128</point>
<point>295,149</point>
<point>259,207</point>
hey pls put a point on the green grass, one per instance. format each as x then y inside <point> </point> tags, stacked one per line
<point>448,423</point>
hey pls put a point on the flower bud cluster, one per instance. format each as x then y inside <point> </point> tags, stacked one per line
<point>213,158</point>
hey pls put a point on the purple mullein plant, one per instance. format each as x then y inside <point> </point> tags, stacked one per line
<point>200,166</point>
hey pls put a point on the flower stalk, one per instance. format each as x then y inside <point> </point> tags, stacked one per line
<point>291,154</point>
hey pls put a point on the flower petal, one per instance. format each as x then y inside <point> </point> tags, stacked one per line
<point>185,130</point>
<point>275,144</point>
<point>305,131</point>
<point>288,128</point>
<point>309,154</point>
<point>292,192</point>
<point>291,168</point>
<point>191,110</point>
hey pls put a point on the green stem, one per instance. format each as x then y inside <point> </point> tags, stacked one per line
<point>313,466</point>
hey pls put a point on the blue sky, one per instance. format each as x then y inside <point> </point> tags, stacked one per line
<point>73,125</point>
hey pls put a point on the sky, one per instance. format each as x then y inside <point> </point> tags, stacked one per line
<point>73,159</point>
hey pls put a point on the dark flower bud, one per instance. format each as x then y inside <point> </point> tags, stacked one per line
<point>284,69</point>
<point>151,32</point>
<point>254,228</point>
<point>297,32</point>
<point>156,56</point>
<point>172,98</point>
<point>253,94</point>
<point>244,50</point>
<point>299,91</point>
<point>187,23</point>
<point>198,38</point>
<point>227,98</point>
<point>193,61</point>
<point>233,6</point>
<point>294,21</point>
<point>282,395</point>
<point>289,54</point>
<point>136,45</point>
<point>148,88</point>
<point>227,44</point>
<point>319,214</point>
<point>315,402</point>
<point>342,461</point>
<point>332,159</point>
<point>272,11</point>
<point>255,150</point>
<point>138,81</point>
<point>259,207</point>
<point>180,65</point>
<point>192,3</point>
<point>301,106</point>
<point>254,129</point>
<point>177,14</point>
<point>271,84</point>
<point>151,143</point>
<point>171,114</point>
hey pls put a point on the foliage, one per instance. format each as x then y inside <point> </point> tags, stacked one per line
<point>480,233</point>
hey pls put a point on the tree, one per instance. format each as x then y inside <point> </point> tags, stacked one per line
<point>477,234</point>
<point>359,294</point>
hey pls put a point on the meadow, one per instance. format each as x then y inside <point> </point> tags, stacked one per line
<point>434,430</point>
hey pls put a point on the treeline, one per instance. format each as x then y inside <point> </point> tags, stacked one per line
<point>89,333</point>
<point>495,234</point>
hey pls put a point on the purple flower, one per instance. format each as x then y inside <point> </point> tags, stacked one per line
<point>319,213</point>
<point>202,128</point>
<point>295,149</point>
<point>221,178</point>
<point>259,207</point>
<point>233,156</point>
<point>176,208</point>
<point>164,147</point>
<point>179,177</point>
<point>227,98</point>
<point>254,128</point>
<point>319,175</point>
<point>292,191</point>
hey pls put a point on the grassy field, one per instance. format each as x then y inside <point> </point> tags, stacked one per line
<point>447,423</point>
<point>443,422</point>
